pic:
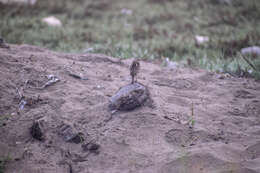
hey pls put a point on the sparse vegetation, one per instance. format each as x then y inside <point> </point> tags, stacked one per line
<point>192,120</point>
<point>150,29</point>
<point>3,118</point>
<point>3,161</point>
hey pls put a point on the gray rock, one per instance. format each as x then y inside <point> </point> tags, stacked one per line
<point>70,135</point>
<point>254,50</point>
<point>129,97</point>
<point>92,147</point>
<point>171,64</point>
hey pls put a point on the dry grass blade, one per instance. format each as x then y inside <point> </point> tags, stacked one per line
<point>250,63</point>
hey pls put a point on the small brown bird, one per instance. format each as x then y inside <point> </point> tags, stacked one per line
<point>134,69</point>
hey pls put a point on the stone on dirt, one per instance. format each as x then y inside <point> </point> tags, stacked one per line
<point>254,50</point>
<point>171,64</point>
<point>92,147</point>
<point>70,135</point>
<point>129,97</point>
<point>36,131</point>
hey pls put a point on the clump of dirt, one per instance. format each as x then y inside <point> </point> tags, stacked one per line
<point>201,122</point>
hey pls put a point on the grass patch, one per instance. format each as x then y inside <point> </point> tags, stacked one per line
<point>151,29</point>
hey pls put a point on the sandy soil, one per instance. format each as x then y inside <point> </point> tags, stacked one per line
<point>222,135</point>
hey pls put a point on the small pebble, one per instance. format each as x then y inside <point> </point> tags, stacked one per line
<point>92,147</point>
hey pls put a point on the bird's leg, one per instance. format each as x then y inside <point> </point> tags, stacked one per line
<point>133,78</point>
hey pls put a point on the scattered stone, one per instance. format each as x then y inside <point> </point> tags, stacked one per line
<point>171,64</point>
<point>52,21</point>
<point>69,135</point>
<point>92,147</point>
<point>36,131</point>
<point>254,50</point>
<point>52,79</point>
<point>223,76</point>
<point>98,87</point>
<point>129,97</point>
<point>200,40</point>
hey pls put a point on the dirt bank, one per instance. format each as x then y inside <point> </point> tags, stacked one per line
<point>221,135</point>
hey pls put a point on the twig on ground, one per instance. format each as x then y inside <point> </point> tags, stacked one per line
<point>77,76</point>
<point>21,97</point>
<point>52,80</point>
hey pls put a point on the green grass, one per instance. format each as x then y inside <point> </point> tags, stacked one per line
<point>155,29</point>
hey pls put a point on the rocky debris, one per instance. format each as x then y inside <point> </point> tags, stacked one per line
<point>52,21</point>
<point>52,79</point>
<point>254,50</point>
<point>223,76</point>
<point>36,131</point>
<point>171,64</point>
<point>30,101</point>
<point>92,147</point>
<point>70,135</point>
<point>98,87</point>
<point>200,40</point>
<point>129,97</point>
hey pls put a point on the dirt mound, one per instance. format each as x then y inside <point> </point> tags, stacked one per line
<point>200,122</point>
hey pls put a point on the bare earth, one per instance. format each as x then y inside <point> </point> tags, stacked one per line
<point>225,136</point>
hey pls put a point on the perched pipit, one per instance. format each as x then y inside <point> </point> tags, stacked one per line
<point>134,69</point>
